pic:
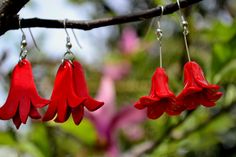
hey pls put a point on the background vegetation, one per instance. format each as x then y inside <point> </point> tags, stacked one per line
<point>122,73</point>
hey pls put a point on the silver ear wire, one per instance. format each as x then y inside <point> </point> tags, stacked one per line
<point>68,55</point>
<point>34,41</point>
<point>76,39</point>
<point>68,43</point>
<point>24,51</point>
<point>159,34</point>
<point>185,31</point>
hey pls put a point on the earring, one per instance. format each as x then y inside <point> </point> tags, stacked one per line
<point>70,93</point>
<point>161,99</point>
<point>196,90</point>
<point>23,98</point>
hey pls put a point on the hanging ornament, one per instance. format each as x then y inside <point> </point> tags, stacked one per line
<point>23,99</point>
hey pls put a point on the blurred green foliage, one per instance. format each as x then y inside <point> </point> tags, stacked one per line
<point>205,132</point>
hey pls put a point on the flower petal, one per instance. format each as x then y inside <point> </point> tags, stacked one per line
<point>154,111</point>
<point>9,109</point>
<point>34,113</point>
<point>206,102</point>
<point>62,110</point>
<point>148,100</point>
<point>79,80</point>
<point>75,101</point>
<point>16,120</point>
<point>139,105</point>
<point>160,83</point>
<point>39,102</point>
<point>77,114</point>
<point>197,73</point>
<point>24,109</point>
<point>92,105</point>
<point>51,111</point>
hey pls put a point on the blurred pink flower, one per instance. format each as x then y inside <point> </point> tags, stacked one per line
<point>129,41</point>
<point>108,120</point>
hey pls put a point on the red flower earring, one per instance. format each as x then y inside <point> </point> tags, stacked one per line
<point>63,96</point>
<point>23,99</point>
<point>196,90</point>
<point>70,93</point>
<point>161,99</point>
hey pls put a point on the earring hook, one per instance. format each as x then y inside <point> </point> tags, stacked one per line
<point>34,41</point>
<point>76,39</point>
<point>67,34</point>
<point>68,55</point>
<point>23,33</point>
<point>24,51</point>
<point>158,21</point>
<point>185,31</point>
<point>159,34</point>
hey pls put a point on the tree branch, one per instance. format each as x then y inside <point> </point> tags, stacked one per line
<point>8,11</point>
<point>91,24</point>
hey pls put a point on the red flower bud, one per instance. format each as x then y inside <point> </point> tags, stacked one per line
<point>197,90</point>
<point>161,99</point>
<point>23,99</point>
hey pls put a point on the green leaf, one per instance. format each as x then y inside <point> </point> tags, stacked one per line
<point>29,148</point>
<point>218,32</point>
<point>39,137</point>
<point>85,131</point>
<point>6,139</point>
<point>227,74</point>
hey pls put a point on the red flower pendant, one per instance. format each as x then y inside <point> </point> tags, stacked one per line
<point>23,99</point>
<point>69,95</point>
<point>197,90</point>
<point>160,99</point>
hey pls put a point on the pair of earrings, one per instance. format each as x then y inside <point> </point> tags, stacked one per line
<point>69,96</point>
<point>196,88</point>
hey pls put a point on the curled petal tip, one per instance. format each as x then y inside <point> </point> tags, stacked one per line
<point>139,105</point>
<point>93,105</point>
<point>154,112</point>
<point>17,122</point>
<point>77,114</point>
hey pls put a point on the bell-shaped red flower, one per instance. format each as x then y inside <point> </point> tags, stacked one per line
<point>23,99</point>
<point>197,90</point>
<point>63,96</point>
<point>160,99</point>
<point>70,95</point>
<point>81,90</point>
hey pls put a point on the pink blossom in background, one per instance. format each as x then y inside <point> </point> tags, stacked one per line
<point>129,42</point>
<point>108,120</point>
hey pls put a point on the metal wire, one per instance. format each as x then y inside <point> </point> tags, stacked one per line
<point>185,31</point>
<point>34,41</point>
<point>159,34</point>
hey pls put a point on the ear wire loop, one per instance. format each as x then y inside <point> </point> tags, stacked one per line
<point>186,31</point>
<point>159,34</point>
